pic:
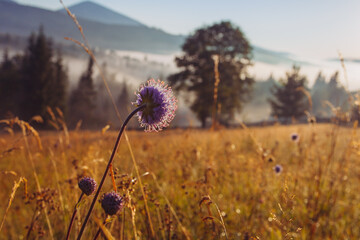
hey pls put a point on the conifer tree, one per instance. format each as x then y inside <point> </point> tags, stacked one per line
<point>289,99</point>
<point>319,95</point>
<point>59,85</point>
<point>37,74</point>
<point>31,82</point>
<point>10,86</point>
<point>83,100</point>
<point>337,93</point>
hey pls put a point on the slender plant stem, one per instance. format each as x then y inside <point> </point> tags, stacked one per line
<point>73,217</point>
<point>107,168</point>
<point>99,231</point>
<point>97,234</point>
<point>122,229</point>
<point>36,212</point>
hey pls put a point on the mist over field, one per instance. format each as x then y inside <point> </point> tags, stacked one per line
<point>126,62</point>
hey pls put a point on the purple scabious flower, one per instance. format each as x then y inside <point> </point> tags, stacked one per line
<point>87,185</point>
<point>160,105</point>
<point>111,203</point>
<point>295,137</point>
<point>278,169</point>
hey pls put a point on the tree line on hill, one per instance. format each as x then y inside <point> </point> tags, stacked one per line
<point>326,94</point>
<point>293,99</point>
<point>36,80</point>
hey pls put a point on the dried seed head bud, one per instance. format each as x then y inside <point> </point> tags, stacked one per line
<point>87,185</point>
<point>111,203</point>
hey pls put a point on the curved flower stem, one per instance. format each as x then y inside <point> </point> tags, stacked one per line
<point>73,216</point>
<point>107,168</point>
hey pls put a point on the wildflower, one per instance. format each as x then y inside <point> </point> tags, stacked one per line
<point>278,169</point>
<point>295,137</point>
<point>160,105</point>
<point>87,185</point>
<point>111,203</point>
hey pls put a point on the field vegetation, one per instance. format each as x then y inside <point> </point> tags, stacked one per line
<point>198,184</point>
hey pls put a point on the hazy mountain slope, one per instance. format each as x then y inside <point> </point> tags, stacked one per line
<point>21,20</point>
<point>95,12</point>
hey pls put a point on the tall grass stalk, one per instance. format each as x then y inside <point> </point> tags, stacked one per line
<point>11,198</point>
<point>73,216</point>
<point>23,126</point>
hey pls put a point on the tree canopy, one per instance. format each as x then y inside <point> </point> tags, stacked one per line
<point>197,76</point>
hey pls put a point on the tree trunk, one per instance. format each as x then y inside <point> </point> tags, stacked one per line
<point>203,122</point>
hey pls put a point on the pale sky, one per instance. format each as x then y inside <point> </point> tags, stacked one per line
<point>308,28</point>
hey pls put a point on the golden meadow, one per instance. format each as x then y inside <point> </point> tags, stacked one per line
<point>198,184</point>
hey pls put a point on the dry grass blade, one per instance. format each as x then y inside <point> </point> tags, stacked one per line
<point>78,43</point>
<point>183,229</point>
<point>221,219</point>
<point>104,129</point>
<point>25,126</point>
<point>105,231</point>
<point>37,119</point>
<point>7,151</point>
<point>113,177</point>
<point>342,61</point>
<point>9,172</point>
<point>12,195</point>
<point>56,172</point>
<point>307,94</point>
<point>32,130</point>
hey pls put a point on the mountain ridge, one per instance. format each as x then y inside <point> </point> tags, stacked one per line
<point>95,12</point>
<point>58,26</point>
<point>139,38</point>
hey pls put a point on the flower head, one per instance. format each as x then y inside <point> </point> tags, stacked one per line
<point>160,105</point>
<point>112,203</point>
<point>278,169</point>
<point>295,137</point>
<point>87,185</point>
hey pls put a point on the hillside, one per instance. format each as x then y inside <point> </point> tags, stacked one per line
<point>104,28</point>
<point>58,26</point>
<point>95,12</point>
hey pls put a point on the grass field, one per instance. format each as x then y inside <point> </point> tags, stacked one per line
<point>199,184</point>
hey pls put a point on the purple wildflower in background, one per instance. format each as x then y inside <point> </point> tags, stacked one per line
<point>112,203</point>
<point>295,137</point>
<point>160,105</point>
<point>278,169</point>
<point>87,185</point>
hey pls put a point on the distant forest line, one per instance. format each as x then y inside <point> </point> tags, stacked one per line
<point>24,96</point>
